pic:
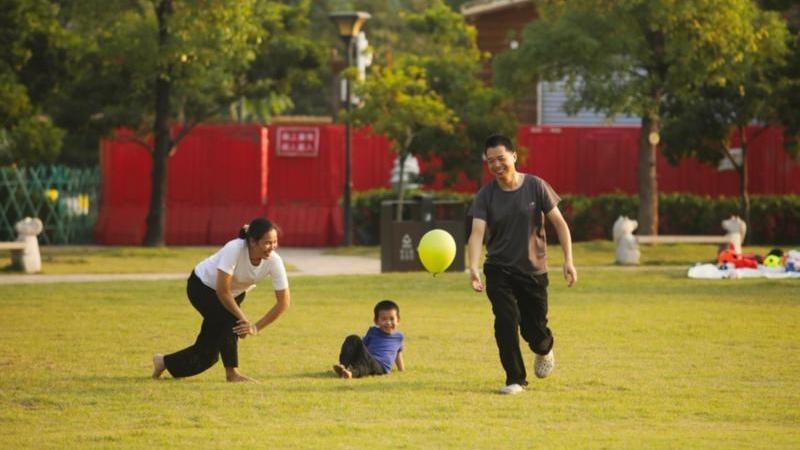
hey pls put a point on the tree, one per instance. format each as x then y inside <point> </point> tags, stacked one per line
<point>630,57</point>
<point>700,124</point>
<point>399,104</point>
<point>440,41</point>
<point>433,37</point>
<point>290,64</point>
<point>35,63</point>
<point>167,62</point>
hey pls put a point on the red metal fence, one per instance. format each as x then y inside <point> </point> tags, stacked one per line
<point>596,160</point>
<point>221,176</point>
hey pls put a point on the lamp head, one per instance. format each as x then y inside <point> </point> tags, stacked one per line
<point>349,22</point>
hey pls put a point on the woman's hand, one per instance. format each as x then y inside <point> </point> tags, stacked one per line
<point>244,327</point>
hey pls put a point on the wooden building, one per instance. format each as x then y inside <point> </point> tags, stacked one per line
<point>500,24</point>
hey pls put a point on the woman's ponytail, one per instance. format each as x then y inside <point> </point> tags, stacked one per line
<point>243,231</point>
<point>256,229</point>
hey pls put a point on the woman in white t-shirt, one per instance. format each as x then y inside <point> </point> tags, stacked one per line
<point>216,288</point>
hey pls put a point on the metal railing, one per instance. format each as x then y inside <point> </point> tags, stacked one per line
<point>65,200</point>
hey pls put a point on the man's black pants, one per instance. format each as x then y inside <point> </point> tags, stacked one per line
<point>519,302</point>
<point>356,358</point>
<point>216,334</point>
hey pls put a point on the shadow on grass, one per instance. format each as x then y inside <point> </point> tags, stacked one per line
<point>394,382</point>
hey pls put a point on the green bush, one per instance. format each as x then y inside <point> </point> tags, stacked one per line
<point>775,218</point>
<point>366,210</point>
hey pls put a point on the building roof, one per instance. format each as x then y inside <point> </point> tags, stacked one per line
<point>478,7</point>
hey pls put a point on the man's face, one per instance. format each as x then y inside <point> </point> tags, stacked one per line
<point>500,160</point>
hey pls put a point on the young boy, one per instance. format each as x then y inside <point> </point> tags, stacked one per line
<point>381,346</point>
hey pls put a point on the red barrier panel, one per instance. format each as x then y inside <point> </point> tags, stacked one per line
<point>217,180</point>
<point>224,175</point>
<point>125,167</point>
<point>597,160</point>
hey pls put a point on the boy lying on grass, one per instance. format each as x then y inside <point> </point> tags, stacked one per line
<point>381,347</point>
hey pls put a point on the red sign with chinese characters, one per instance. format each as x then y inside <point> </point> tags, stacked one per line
<point>297,141</point>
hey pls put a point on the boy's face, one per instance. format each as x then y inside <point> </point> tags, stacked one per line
<point>387,320</point>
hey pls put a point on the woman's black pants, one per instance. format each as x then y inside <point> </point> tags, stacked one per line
<point>216,334</point>
<point>356,358</point>
<point>519,304</point>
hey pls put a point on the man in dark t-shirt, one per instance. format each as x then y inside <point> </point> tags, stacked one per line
<point>512,208</point>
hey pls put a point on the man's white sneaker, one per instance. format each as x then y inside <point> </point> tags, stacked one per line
<point>511,389</point>
<point>543,364</point>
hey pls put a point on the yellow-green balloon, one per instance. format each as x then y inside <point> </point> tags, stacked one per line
<point>437,249</point>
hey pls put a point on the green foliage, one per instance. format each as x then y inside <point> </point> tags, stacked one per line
<point>289,62</point>
<point>249,54</point>
<point>776,219</point>
<point>440,48</point>
<point>31,140</point>
<point>367,210</point>
<point>36,59</point>
<point>699,125</point>
<point>625,384</point>
<point>400,104</point>
<point>631,57</point>
<point>447,48</point>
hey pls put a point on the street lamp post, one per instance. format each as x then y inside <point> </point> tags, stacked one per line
<point>349,23</point>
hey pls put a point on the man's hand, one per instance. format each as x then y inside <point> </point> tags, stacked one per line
<point>570,274</point>
<point>475,280</point>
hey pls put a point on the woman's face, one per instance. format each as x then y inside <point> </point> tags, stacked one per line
<point>264,246</point>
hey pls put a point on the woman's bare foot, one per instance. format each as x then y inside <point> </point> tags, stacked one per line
<point>342,371</point>
<point>158,365</point>
<point>233,376</point>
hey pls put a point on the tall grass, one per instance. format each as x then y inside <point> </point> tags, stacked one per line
<point>646,358</point>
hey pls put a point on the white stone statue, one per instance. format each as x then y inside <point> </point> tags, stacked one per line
<point>627,248</point>
<point>27,229</point>
<point>735,229</point>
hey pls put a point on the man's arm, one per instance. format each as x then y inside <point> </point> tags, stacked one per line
<point>564,237</point>
<point>474,247</point>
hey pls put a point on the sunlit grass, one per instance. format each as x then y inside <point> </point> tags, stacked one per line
<point>646,359</point>
<point>58,260</point>
<point>601,252</point>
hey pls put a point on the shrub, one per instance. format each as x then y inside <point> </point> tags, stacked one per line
<point>367,210</point>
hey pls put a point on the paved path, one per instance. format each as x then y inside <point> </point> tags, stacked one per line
<point>308,261</point>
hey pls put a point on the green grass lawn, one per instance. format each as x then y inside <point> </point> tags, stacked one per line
<point>601,252</point>
<point>58,260</point>
<point>646,358</point>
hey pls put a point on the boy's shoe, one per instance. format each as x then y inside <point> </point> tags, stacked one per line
<point>543,364</point>
<point>511,389</point>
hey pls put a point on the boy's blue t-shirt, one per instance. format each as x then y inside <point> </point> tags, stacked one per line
<point>383,347</point>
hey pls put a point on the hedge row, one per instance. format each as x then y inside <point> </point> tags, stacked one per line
<point>775,219</point>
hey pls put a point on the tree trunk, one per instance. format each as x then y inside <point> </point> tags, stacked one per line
<point>646,175</point>
<point>743,182</point>
<point>156,216</point>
